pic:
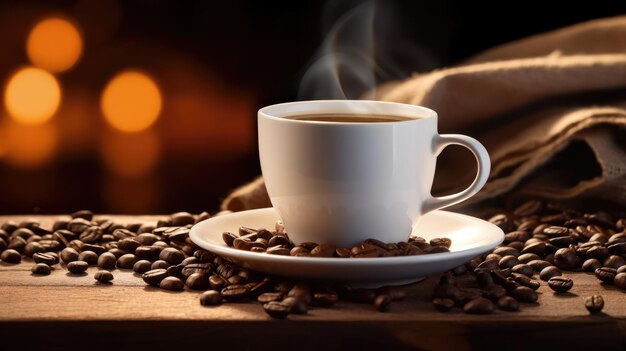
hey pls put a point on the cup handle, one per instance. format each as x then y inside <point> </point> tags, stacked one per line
<point>484,166</point>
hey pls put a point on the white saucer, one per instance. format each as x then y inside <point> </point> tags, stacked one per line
<point>470,237</point>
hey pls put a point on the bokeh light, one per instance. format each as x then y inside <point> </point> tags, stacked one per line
<point>32,95</point>
<point>131,101</point>
<point>28,146</point>
<point>130,155</point>
<point>54,44</point>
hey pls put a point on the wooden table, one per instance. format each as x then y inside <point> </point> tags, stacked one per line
<point>60,310</point>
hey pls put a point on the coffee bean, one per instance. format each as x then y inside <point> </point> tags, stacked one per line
<point>84,214</point>
<point>24,233</point>
<point>322,299</point>
<point>77,267</point>
<point>198,281</point>
<point>46,258</point>
<point>172,255</point>
<point>561,241</point>
<point>503,221</point>
<point>180,219</point>
<point>41,269</point>
<point>97,249</point>
<point>526,258</point>
<point>591,265</point>
<point>32,248</point>
<point>141,266</point>
<point>91,234</point>
<point>78,225</point>
<point>69,255</point>
<point>508,262</point>
<point>506,251</point>
<point>123,233</point>
<point>217,282</point>
<point>302,251</point>
<point>620,281</point>
<point>527,282</point>
<point>126,261</point>
<point>382,303</point>
<point>507,303</point>
<point>269,297</point>
<point>549,272</point>
<point>103,276</point>
<point>518,235</point>
<point>488,265</point>
<point>129,245</point>
<point>441,242</point>
<point>524,294</point>
<point>88,256</point>
<point>276,310</point>
<point>279,240</point>
<point>150,253</point>
<point>614,261</point>
<point>479,306</point>
<point>323,250</point>
<point>154,277</point>
<point>536,248</point>
<point>160,264</point>
<point>17,243</point>
<point>296,305</point>
<point>106,261</point>
<point>235,293</point>
<point>606,274</point>
<point>210,298</point>
<point>443,304</point>
<point>172,284</point>
<point>598,252</point>
<point>279,250</point>
<point>566,258</point>
<point>229,238</point>
<point>594,303</point>
<point>204,268</point>
<point>560,284</point>
<point>523,269</point>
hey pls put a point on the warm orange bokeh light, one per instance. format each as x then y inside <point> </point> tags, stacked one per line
<point>32,96</point>
<point>130,155</point>
<point>28,146</point>
<point>131,101</point>
<point>54,44</point>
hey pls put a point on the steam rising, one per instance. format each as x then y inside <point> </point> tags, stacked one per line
<point>360,50</point>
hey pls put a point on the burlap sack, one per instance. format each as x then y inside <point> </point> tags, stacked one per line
<point>550,109</point>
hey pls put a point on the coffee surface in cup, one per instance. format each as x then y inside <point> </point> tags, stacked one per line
<point>349,118</point>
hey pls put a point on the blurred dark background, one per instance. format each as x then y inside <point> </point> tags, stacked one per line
<point>150,106</point>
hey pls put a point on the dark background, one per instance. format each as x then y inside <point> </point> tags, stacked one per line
<point>216,63</point>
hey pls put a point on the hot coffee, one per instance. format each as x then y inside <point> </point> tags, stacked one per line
<point>349,118</point>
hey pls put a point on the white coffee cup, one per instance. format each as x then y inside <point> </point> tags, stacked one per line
<point>344,182</point>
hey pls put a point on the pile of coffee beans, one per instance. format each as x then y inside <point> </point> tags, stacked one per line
<point>277,242</point>
<point>541,242</point>
<point>167,259</point>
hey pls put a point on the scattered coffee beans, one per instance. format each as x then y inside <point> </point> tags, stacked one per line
<point>278,243</point>
<point>540,241</point>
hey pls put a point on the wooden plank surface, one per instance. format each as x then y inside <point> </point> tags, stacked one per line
<point>50,304</point>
